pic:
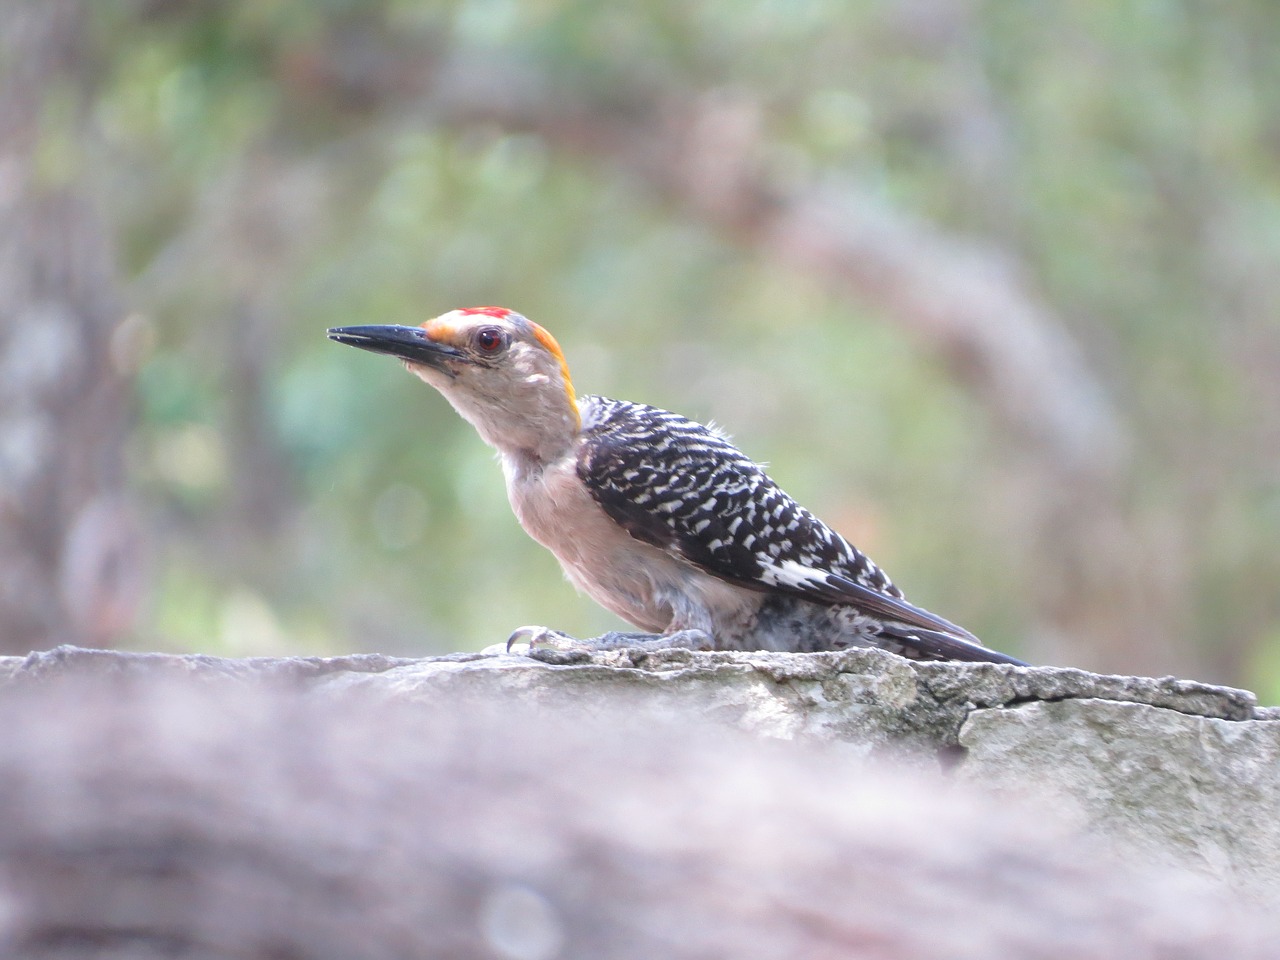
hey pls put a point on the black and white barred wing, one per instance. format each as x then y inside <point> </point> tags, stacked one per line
<point>680,486</point>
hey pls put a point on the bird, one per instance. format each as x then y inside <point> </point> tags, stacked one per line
<point>661,520</point>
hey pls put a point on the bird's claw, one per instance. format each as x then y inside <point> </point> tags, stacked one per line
<point>541,638</point>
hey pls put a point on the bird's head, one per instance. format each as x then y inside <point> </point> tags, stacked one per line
<point>501,372</point>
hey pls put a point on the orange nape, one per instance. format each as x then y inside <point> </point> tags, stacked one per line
<point>545,338</point>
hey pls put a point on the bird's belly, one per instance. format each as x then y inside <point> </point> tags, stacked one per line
<point>637,581</point>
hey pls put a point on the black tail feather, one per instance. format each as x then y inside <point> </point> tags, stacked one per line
<point>935,645</point>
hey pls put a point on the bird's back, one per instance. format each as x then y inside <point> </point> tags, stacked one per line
<point>684,487</point>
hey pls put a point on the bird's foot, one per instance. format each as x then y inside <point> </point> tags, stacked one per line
<point>544,638</point>
<point>541,638</point>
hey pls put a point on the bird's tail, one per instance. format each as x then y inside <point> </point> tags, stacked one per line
<point>921,644</point>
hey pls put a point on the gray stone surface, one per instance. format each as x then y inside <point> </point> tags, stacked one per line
<point>1171,788</point>
<point>1176,772</point>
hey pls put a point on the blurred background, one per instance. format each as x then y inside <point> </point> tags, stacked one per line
<point>994,288</point>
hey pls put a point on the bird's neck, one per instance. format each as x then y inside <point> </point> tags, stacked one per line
<point>526,427</point>
<point>521,464</point>
<point>530,450</point>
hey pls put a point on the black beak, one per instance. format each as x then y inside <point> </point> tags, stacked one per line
<point>407,343</point>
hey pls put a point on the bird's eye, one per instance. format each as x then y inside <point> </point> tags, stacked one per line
<point>490,340</point>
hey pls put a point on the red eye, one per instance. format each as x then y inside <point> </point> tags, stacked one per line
<point>490,339</point>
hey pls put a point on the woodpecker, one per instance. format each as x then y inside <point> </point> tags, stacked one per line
<point>659,519</point>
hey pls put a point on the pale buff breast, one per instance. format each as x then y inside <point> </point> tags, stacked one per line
<point>637,581</point>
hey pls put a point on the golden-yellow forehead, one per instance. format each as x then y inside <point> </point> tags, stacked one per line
<point>453,327</point>
<point>443,329</point>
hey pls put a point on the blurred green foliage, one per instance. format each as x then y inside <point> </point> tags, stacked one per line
<point>1125,155</point>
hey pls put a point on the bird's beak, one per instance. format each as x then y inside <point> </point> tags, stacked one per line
<point>407,343</point>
